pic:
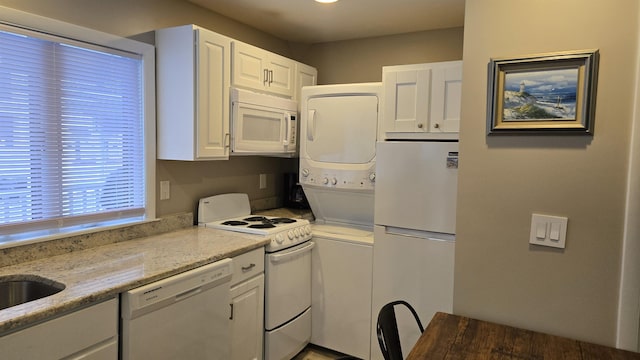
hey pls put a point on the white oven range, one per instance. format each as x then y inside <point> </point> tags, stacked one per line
<point>287,301</point>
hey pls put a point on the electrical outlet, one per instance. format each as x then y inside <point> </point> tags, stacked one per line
<point>263,181</point>
<point>165,191</point>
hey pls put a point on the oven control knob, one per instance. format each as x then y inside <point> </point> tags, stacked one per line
<point>372,177</point>
<point>296,232</point>
<point>334,181</point>
<point>307,229</point>
<point>325,181</point>
<point>290,235</point>
<point>305,172</point>
<point>279,238</point>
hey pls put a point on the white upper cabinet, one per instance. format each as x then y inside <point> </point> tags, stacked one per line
<point>193,79</point>
<point>258,69</point>
<point>305,76</point>
<point>421,101</point>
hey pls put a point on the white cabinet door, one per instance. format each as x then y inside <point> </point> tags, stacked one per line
<point>212,94</point>
<point>247,327</point>
<point>258,69</point>
<point>305,76</point>
<point>89,333</point>
<point>422,101</point>
<point>193,77</point>
<point>249,66</point>
<point>406,94</point>
<point>446,96</point>
<point>281,73</point>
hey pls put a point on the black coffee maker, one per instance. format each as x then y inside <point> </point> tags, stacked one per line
<point>293,195</point>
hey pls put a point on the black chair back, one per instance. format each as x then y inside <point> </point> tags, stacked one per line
<point>387,329</point>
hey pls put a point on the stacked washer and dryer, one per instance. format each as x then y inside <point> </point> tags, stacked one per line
<point>338,135</point>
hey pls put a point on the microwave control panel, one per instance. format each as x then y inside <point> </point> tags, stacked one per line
<point>294,130</point>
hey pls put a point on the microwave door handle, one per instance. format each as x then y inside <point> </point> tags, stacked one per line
<point>287,119</point>
<point>311,125</point>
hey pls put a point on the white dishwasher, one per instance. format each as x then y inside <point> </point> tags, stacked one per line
<point>185,316</point>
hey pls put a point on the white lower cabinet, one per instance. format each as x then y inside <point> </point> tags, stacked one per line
<point>89,334</point>
<point>247,306</point>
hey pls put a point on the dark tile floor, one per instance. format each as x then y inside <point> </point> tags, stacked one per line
<point>313,352</point>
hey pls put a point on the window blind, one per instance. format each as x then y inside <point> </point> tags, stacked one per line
<point>71,133</point>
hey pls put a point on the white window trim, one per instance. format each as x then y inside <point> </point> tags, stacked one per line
<point>54,27</point>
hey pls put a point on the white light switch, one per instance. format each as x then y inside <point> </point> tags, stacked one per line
<point>541,230</point>
<point>548,230</point>
<point>554,234</point>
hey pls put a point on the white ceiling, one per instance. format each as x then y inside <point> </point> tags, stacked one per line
<point>307,21</point>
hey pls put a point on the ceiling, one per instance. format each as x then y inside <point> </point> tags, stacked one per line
<point>306,21</point>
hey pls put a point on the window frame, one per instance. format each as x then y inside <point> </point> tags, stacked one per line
<point>50,27</point>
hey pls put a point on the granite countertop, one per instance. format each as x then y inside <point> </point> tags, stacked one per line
<point>102,272</point>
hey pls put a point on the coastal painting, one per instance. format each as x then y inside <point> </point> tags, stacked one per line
<point>551,93</point>
<point>540,95</point>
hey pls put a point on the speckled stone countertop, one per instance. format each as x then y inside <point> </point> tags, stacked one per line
<point>102,272</point>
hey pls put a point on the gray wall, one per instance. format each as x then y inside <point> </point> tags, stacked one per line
<point>355,61</point>
<point>503,180</point>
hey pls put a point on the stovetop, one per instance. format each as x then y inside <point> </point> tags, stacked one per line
<point>284,232</point>
<point>261,225</point>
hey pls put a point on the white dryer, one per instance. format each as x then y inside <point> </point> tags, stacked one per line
<point>339,128</point>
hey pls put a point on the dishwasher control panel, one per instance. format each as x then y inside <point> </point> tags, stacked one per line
<point>177,287</point>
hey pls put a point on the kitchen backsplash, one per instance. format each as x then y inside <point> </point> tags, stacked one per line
<point>35,251</point>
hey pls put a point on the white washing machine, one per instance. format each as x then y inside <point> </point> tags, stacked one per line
<point>341,285</point>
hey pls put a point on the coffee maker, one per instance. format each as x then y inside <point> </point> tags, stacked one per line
<point>294,197</point>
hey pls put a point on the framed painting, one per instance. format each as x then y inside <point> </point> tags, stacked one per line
<point>543,94</point>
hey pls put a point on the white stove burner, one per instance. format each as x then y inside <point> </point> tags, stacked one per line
<point>284,232</point>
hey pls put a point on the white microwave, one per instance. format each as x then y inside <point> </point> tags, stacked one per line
<point>262,124</point>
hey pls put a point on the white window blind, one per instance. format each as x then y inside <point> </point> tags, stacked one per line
<point>71,133</point>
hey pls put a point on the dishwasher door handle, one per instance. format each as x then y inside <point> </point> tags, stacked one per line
<point>188,293</point>
<point>296,252</point>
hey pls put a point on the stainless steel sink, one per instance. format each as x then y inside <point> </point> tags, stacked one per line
<point>19,289</point>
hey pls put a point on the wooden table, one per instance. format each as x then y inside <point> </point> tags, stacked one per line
<point>455,337</point>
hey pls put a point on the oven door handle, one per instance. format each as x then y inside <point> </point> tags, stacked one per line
<point>277,258</point>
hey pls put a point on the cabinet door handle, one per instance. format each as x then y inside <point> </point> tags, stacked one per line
<point>227,140</point>
<point>270,77</point>
<point>265,78</point>
<point>247,268</point>
<point>231,315</point>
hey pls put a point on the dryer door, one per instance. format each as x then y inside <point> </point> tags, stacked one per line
<point>342,128</point>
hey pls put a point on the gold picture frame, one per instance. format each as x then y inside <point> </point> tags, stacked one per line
<point>550,93</point>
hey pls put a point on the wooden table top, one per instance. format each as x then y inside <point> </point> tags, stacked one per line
<point>455,337</point>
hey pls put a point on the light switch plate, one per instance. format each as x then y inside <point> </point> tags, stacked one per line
<point>555,230</point>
